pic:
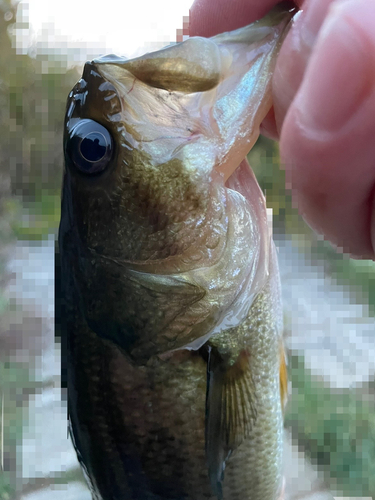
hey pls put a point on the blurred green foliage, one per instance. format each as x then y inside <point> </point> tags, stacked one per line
<point>33,94</point>
<point>6,491</point>
<point>335,428</point>
<point>15,386</point>
<point>359,274</point>
<point>264,159</point>
<point>38,218</point>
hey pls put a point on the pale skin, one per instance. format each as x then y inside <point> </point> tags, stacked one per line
<point>324,110</point>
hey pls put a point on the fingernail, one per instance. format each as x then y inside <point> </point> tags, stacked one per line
<point>313,14</point>
<point>338,78</point>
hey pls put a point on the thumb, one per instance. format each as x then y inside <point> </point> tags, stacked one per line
<point>328,135</point>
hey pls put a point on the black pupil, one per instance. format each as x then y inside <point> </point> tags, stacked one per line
<point>93,147</point>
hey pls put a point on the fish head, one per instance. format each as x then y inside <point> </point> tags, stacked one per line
<point>134,179</point>
<point>162,224</point>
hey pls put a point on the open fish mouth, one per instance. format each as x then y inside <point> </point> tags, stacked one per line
<point>218,89</point>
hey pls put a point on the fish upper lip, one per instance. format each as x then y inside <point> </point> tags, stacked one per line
<point>88,68</point>
<point>108,59</point>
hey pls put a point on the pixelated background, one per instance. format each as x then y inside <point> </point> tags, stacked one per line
<point>329,301</point>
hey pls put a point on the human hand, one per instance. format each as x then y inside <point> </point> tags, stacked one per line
<point>324,109</point>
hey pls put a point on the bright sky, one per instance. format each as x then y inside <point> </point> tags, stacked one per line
<point>124,27</point>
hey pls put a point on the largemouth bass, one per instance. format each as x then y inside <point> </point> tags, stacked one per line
<point>169,293</point>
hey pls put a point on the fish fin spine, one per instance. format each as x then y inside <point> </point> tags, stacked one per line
<point>231,411</point>
<point>283,375</point>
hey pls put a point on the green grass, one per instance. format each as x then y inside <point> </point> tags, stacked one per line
<point>36,220</point>
<point>336,429</point>
<point>14,379</point>
<point>15,385</point>
<point>6,491</point>
<point>31,221</point>
<point>265,162</point>
<point>358,274</point>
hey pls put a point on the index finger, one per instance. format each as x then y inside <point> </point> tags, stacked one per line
<point>210,17</point>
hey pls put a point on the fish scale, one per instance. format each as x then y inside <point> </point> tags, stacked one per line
<point>167,284</point>
<point>173,446</point>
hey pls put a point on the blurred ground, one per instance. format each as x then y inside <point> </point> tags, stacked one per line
<point>323,322</point>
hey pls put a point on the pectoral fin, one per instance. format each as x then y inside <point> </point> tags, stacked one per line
<point>230,411</point>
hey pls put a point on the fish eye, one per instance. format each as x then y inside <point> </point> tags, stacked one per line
<point>90,146</point>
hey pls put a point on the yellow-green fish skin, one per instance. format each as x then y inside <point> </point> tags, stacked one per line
<point>170,297</point>
<point>147,423</point>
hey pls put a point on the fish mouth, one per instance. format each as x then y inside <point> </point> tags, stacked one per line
<point>221,96</point>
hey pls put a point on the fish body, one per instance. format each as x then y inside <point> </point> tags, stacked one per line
<point>169,293</point>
